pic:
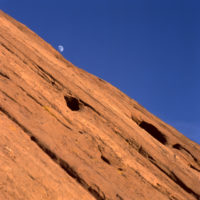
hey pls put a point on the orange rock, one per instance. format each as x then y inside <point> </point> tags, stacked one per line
<point>66,134</point>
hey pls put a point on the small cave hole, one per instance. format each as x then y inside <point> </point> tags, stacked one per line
<point>153,131</point>
<point>105,159</point>
<point>177,146</point>
<point>33,138</point>
<point>81,132</point>
<point>72,103</point>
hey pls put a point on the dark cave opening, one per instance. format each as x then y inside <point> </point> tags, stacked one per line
<point>153,131</point>
<point>72,103</point>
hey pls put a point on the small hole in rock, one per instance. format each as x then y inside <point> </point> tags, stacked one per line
<point>105,159</point>
<point>153,131</point>
<point>33,138</point>
<point>72,103</point>
<point>177,146</point>
<point>119,197</point>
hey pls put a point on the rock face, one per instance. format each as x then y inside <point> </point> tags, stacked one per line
<point>66,134</point>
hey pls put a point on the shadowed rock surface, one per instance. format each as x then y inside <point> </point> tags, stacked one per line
<point>66,134</point>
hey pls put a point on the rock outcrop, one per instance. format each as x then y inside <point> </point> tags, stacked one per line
<point>66,134</point>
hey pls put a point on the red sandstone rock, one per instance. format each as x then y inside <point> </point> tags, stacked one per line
<point>66,134</point>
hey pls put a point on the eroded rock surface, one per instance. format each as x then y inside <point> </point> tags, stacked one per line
<point>66,134</point>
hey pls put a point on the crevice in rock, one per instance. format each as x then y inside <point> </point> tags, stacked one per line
<point>119,197</point>
<point>41,72</point>
<point>173,198</point>
<point>12,99</point>
<point>12,52</point>
<point>174,178</point>
<point>4,75</point>
<point>89,106</point>
<point>62,163</point>
<point>67,168</point>
<point>105,160</point>
<point>72,103</point>
<point>15,121</point>
<point>145,154</point>
<point>132,143</point>
<point>170,174</point>
<point>44,74</point>
<point>95,190</point>
<point>46,150</point>
<point>48,77</point>
<point>154,132</point>
<point>194,168</point>
<point>181,184</point>
<point>81,132</point>
<point>34,99</point>
<point>8,96</point>
<point>180,147</point>
<point>8,49</point>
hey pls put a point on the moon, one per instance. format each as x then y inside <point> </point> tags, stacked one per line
<point>60,48</point>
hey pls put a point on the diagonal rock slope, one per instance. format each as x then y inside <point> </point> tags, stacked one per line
<point>66,134</point>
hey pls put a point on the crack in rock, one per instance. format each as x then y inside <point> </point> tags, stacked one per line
<point>94,191</point>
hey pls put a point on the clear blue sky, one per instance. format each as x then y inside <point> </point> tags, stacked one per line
<point>148,49</point>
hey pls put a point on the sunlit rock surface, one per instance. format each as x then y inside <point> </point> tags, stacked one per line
<point>66,134</point>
